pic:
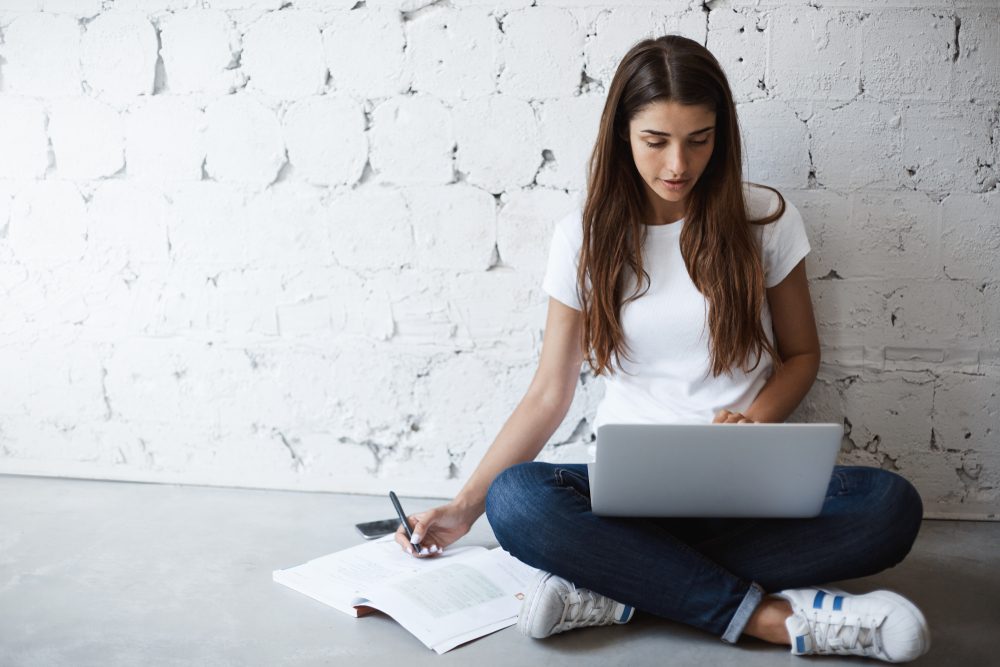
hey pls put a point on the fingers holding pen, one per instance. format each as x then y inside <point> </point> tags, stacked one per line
<point>419,546</point>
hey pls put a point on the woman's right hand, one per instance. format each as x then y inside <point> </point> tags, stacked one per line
<point>436,527</point>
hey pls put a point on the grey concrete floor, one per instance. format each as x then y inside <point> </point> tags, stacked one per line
<point>113,573</point>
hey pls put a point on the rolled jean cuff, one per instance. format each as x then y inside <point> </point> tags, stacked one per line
<point>744,612</point>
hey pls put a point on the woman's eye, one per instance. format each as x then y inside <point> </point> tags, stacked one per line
<point>696,143</point>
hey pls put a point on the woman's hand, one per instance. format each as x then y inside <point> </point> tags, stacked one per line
<point>435,529</point>
<point>727,417</point>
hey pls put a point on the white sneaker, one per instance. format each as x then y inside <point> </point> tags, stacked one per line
<point>554,604</point>
<point>880,624</point>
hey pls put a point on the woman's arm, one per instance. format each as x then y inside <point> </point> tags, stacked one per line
<point>797,343</point>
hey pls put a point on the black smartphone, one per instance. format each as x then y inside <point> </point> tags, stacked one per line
<point>372,529</point>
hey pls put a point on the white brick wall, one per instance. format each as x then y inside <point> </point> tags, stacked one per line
<point>300,245</point>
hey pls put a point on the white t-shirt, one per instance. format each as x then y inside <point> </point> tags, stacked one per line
<point>668,379</point>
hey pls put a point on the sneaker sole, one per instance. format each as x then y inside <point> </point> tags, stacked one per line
<point>882,594</point>
<point>522,620</point>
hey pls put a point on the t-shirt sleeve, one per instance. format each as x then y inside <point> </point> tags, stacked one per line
<point>784,245</point>
<point>560,273</point>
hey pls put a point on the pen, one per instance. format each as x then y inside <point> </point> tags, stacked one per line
<point>402,517</point>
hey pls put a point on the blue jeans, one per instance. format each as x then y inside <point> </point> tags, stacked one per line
<point>707,573</point>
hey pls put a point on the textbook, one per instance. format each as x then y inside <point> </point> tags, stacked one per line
<point>445,600</point>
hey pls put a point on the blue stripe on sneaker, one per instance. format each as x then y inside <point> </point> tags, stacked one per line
<point>625,614</point>
<point>818,601</point>
<point>838,601</point>
<point>800,645</point>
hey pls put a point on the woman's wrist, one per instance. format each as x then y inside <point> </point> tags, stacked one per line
<point>471,507</point>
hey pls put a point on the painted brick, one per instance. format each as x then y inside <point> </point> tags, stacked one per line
<point>850,312</point>
<point>63,383</point>
<point>493,4</point>
<point>825,214</point>
<point>948,313</point>
<point>614,33</point>
<point>454,227</point>
<point>42,56</point>
<point>127,222</point>
<point>536,66</point>
<point>976,73</point>
<point>132,292</point>
<point>167,380</point>
<point>597,3</point>
<point>370,229</point>
<point>48,222</point>
<point>944,145</point>
<point>505,321</point>
<point>118,54</point>
<point>283,55</point>
<point>412,141</point>
<point>376,70</point>
<point>75,8</point>
<point>776,144</point>
<point>818,51</point>
<point>287,220</point>
<point>916,313</point>
<point>498,144</point>
<point>223,301</point>
<point>970,236</point>
<point>342,290</point>
<point>906,55</point>
<point>890,414</point>
<point>878,234</point>
<point>739,41</point>
<point>157,6</point>
<point>967,421</point>
<point>23,137</point>
<point>87,138</point>
<point>524,228</point>
<point>416,307</point>
<point>373,391</point>
<point>243,141</point>
<point>841,135</point>
<point>206,224</point>
<point>164,139</point>
<point>448,383</point>
<point>567,130</point>
<point>199,52</point>
<point>453,54</point>
<point>326,140</point>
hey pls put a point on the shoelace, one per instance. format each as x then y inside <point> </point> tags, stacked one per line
<point>587,608</point>
<point>862,637</point>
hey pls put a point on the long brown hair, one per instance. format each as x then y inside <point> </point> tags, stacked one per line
<point>717,244</point>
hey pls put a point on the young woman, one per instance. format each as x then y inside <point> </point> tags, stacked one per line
<point>694,281</point>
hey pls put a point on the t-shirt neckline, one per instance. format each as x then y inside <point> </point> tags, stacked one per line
<point>665,230</point>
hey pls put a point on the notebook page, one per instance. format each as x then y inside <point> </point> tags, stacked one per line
<point>339,578</point>
<point>457,601</point>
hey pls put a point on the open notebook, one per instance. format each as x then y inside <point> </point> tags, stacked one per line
<point>445,600</point>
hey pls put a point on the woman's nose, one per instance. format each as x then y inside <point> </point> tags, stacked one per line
<point>676,162</point>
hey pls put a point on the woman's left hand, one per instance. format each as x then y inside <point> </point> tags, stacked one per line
<point>727,417</point>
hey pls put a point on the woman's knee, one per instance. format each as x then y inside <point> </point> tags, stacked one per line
<point>901,510</point>
<point>509,494</point>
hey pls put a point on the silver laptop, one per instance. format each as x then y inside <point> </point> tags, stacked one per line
<point>713,470</point>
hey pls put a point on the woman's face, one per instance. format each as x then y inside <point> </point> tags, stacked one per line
<point>671,141</point>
